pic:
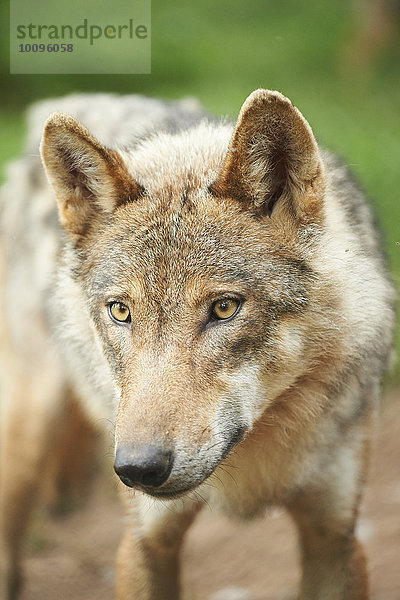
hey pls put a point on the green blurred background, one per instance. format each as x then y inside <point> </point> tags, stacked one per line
<point>338,61</point>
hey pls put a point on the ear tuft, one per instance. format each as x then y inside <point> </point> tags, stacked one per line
<point>89,179</point>
<point>272,153</point>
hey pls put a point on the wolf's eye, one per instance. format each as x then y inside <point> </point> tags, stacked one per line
<point>225,309</point>
<point>119,312</point>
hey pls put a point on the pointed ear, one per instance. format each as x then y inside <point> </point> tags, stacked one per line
<point>272,155</point>
<point>89,180</point>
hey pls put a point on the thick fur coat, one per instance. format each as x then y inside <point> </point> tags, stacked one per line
<point>218,293</point>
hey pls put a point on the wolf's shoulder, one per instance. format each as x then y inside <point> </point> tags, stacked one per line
<point>357,210</point>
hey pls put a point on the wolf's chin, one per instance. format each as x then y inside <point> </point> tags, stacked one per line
<point>170,494</point>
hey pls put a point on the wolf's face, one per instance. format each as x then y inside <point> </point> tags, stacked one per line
<point>193,278</point>
<point>187,308</point>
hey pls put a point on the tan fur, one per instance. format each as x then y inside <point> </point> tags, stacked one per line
<point>73,459</point>
<point>272,149</point>
<point>68,149</point>
<point>275,405</point>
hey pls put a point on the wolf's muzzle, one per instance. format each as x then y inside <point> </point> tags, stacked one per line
<point>143,466</point>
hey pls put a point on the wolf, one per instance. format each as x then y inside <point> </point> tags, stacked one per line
<point>215,291</point>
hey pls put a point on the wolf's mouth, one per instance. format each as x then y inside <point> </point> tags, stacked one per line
<point>236,438</point>
<point>169,493</point>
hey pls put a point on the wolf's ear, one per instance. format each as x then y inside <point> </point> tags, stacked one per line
<point>272,155</point>
<point>89,179</point>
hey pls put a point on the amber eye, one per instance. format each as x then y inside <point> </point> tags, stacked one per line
<point>225,308</point>
<point>119,312</point>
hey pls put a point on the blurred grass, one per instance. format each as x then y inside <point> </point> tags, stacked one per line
<point>220,51</point>
<point>12,138</point>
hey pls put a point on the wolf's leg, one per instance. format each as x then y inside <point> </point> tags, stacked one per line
<point>148,557</point>
<point>333,561</point>
<point>30,409</point>
<point>73,455</point>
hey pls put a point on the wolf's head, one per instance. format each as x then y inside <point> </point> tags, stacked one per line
<point>191,255</point>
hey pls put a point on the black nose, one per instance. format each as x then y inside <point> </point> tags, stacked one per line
<point>146,466</point>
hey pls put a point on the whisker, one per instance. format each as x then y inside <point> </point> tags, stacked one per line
<point>224,470</point>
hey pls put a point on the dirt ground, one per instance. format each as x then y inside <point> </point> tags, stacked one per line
<point>73,557</point>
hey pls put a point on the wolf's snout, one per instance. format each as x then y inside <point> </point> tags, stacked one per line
<point>143,466</point>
